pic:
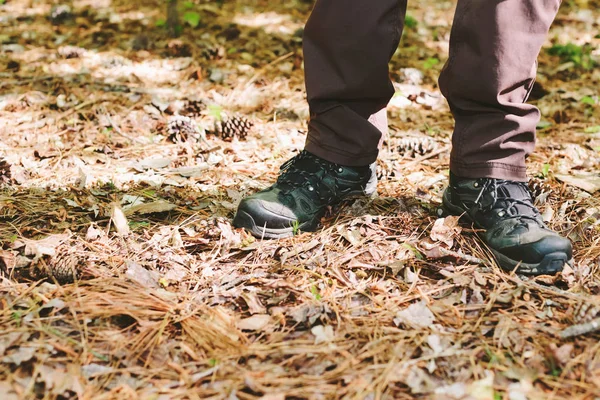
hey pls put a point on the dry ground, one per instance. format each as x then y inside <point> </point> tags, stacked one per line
<point>170,302</point>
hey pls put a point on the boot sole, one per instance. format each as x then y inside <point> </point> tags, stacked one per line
<point>244,220</point>
<point>551,264</point>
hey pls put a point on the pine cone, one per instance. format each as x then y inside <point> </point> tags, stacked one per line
<point>230,127</point>
<point>213,53</point>
<point>585,312</point>
<point>5,176</point>
<point>193,108</point>
<point>62,267</point>
<point>416,146</point>
<point>385,170</point>
<point>540,189</point>
<point>182,129</point>
<point>209,228</point>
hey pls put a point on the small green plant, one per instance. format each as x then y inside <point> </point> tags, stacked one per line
<point>592,129</point>
<point>578,55</point>
<point>17,317</point>
<point>410,22</point>
<point>416,252</point>
<point>543,124</point>
<point>545,171</point>
<point>296,228</point>
<point>192,18</point>
<point>135,225</point>
<point>590,100</point>
<point>215,111</point>
<point>315,292</point>
<point>431,62</point>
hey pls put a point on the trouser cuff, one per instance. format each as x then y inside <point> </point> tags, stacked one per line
<point>495,170</point>
<point>338,156</point>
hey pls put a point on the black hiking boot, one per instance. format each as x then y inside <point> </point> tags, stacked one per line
<point>514,230</point>
<point>306,187</point>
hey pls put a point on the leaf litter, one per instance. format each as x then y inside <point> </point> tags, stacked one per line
<point>124,153</point>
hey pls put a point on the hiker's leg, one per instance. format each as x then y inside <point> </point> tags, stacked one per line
<point>493,50</point>
<point>347,47</point>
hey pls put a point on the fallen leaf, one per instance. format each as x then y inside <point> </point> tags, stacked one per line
<point>273,396</point>
<point>323,334</point>
<point>562,354</point>
<point>191,172</point>
<point>57,304</point>
<point>119,220</point>
<point>93,370</point>
<point>7,392</point>
<point>150,208</point>
<point>42,247</point>
<point>153,163</point>
<point>254,323</point>
<point>93,233</point>
<point>455,391</point>
<point>254,304</point>
<point>141,275</point>
<point>417,315</point>
<point>435,342</point>
<point>20,355</point>
<point>588,182</point>
<point>482,389</point>
<point>445,229</point>
<point>10,339</point>
<point>8,259</point>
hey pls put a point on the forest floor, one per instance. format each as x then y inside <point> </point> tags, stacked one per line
<point>122,277</point>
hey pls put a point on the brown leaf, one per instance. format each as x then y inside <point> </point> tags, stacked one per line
<point>323,334</point>
<point>8,260</point>
<point>254,304</point>
<point>445,229</point>
<point>417,315</point>
<point>254,323</point>
<point>588,182</point>
<point>119,220</point>
<point>562,354</point>
<point>141,275</point>
<point>150,208</point>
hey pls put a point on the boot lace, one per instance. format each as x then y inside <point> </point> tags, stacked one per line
<point>504,204</point>
<point>307,171</point>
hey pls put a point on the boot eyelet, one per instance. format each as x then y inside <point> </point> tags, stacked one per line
<point>476,184</point>
<point>340,170</point>
<point>310,188</point>
<point>501,213</point>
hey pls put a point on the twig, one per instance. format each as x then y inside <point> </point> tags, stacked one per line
<point>269,65</point>
<point>581,329</point>
<point>79,107</point>
<point>116,127</point>
<point>551,289</point>
<point>425,157</point>
<point>462,256</point>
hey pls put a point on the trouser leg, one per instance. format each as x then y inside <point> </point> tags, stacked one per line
<point>347,47</point>
<point>494,46</point>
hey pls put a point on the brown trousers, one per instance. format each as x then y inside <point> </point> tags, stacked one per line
<point>494,45</point>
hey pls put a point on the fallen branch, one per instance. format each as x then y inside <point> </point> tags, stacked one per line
<point>462,256</point>
<point>425,157</point>
<point>581,329</point>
